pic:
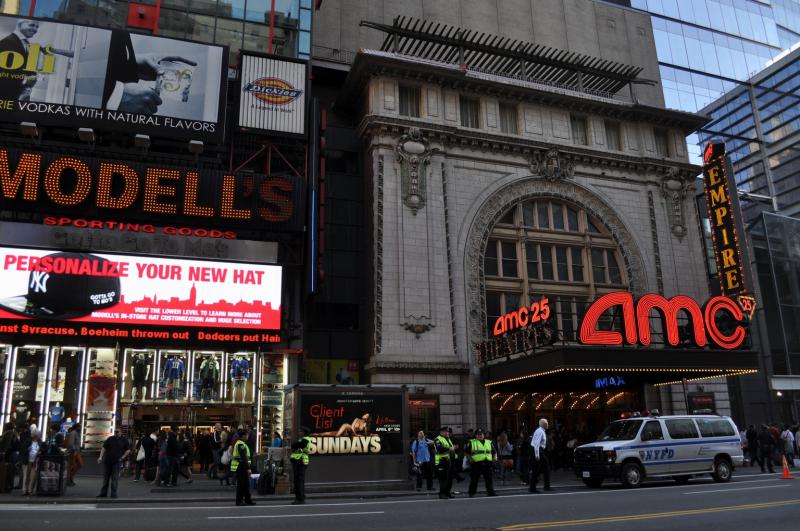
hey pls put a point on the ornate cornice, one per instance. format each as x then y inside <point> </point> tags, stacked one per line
<point>476,140</point>
<point>521,190</point>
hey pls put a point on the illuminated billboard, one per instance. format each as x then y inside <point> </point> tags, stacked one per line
<point>42,285</point>
<point>53,73</point>
<point>273,94</point>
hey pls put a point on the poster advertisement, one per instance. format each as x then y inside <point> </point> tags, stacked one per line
<point>56,73</point>
<point>273,94</point>
<point>25,383</point>
<point>122,289</point>
<point>57,385</point>
<point>353,422</point>
<point>100,397</point>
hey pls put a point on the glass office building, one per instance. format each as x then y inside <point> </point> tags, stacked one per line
<point>707,47</point>
<point>759,120</point>
<point>240,24</point>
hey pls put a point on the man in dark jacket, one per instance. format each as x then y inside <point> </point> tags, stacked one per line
<point>173,456</point>
<point>752,445</point>
<point>766,447</point>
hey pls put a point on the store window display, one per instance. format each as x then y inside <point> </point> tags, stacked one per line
<point>172,375</point>
<point>208,370</point>
<point>240,372</point>
<point>139,375</point>
<point>27,392</point>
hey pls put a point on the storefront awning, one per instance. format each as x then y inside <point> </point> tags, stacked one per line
<point>579,367</point>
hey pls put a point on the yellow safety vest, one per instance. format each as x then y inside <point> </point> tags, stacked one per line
<point>235,456</point>
<point>445,453</point>
<point>301,454</point>
<point>480,451</point>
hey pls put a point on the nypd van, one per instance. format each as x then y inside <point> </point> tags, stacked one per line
<point>677,447</point>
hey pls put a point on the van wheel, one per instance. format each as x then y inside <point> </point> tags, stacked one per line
<point>722,470</point>
<point>682,480</point>
<point>631,475</point>
<point>593,482</point>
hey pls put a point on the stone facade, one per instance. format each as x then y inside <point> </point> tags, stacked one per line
<point>429,306</point>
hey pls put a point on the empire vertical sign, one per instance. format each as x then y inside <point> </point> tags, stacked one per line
<point>721,215</point>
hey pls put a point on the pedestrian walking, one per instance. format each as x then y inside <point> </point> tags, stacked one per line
<point>301,449</point>
<point>115,450</point>
<point>481,455</point>
<point>30,459</point>
<point>445,454</point>
<point>277,440</point>
<point>186,456</point>
<point>505,452</point>
<point>787,443</point>
<point>752,446</point>
<point>216,451</point>
<point>540,463</point>
<point>766,446</point>
<point>169,465</point>
<point>72,443</point>
<point>421,456</point>
<point>240,466</point>
<point>144,455</point>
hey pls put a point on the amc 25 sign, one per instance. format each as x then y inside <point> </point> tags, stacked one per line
<point>636,320</point>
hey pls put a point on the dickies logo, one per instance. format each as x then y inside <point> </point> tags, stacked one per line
<point>273,90</point>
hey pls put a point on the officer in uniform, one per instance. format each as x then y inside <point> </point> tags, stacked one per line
<point>301,449</point>
<point>445,453</point>
<point>481,455</point>
<point>240,465</point>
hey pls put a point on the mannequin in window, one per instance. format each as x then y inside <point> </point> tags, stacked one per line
<point>209,376</point>
<point>21,414</point>
<point>66,425</point>
<point>140,370</point>
<point>173,374</point>
<point>56,414</point>
<point>240,373</point>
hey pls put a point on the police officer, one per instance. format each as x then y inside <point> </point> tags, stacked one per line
<point>445,453</point>
<point>301,450</point>
<point>481,455</point>
<point>240,465</point>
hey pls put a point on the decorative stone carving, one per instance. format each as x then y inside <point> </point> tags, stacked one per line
<point>522,190</point>
<point>413,154</point>
<point>378,308</point>
<point>419,325</point>
<point>552,165</point>
<point>674,190</point>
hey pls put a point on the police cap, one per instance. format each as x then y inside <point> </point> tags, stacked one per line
<point>444,428</point>
<point>479,432</point>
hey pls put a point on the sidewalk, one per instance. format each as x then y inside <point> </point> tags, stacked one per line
<point>209,491</point>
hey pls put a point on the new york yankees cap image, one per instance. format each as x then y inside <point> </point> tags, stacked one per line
<point>66,285</point>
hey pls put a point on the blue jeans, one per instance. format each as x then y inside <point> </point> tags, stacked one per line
<point>110,474</point>
<point>217,456</point>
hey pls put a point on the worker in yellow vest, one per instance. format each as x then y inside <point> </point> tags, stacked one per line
<point>481,456</point>
<point>240,467</point>
<point>301,449</point>
<point>442,459</point>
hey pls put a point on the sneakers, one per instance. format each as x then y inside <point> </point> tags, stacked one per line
<point>298,502</point>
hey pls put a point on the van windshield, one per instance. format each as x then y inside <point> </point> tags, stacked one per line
<point>621,430</point>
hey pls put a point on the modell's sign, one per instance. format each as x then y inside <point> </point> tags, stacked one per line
<point>348,423</point>
<point>80,185</point>
<point>53,73</point>
<point>273,94</point>
<point>38,285</point>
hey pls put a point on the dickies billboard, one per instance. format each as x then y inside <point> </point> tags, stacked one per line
<point>273,94</point>
<point>53,73</point>
<point>43,285</point>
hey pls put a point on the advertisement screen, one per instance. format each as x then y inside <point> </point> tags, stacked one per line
<point>273,94</point>
<point>53,73</point>
<point>353,422</point>
<point>140,290</point>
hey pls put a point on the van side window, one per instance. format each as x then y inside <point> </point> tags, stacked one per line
<point>715,428</point>
<point>652,431</point>
<point>681,428</point>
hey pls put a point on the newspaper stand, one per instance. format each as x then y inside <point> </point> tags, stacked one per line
<point>50,475</point>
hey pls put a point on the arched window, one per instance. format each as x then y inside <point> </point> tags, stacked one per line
<point>552,248</point>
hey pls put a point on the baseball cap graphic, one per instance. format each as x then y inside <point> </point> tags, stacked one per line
<point>65,286</point>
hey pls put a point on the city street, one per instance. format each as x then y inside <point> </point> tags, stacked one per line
<point>748,502</point>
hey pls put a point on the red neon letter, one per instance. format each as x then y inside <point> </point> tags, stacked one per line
<point>590,335</point>
<point>712,307</point>
<point>669,309</point>
<point>522,316</point>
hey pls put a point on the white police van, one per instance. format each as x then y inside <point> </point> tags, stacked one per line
<point>679,447</point>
